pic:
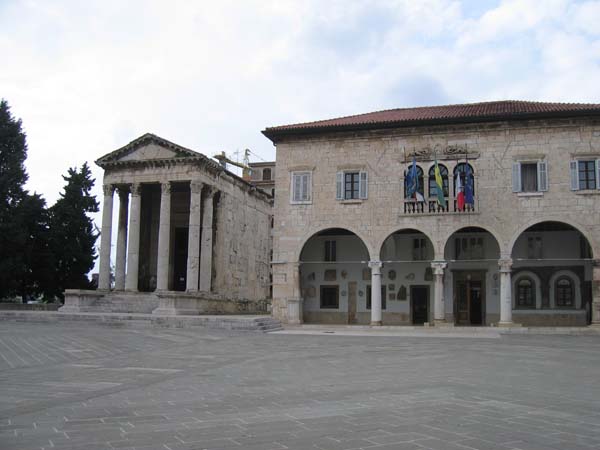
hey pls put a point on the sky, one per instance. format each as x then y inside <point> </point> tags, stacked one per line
<point>87,77</point>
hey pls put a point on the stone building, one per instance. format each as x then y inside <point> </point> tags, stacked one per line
<point>263,176</point>
<point>354,244</point>
<point>192,237</point>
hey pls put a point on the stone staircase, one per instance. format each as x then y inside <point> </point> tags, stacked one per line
<point>268,324</point>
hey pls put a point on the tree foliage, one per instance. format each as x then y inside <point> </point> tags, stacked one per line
<point>72,233</point>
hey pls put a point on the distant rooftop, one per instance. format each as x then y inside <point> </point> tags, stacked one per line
<point>432,115</point>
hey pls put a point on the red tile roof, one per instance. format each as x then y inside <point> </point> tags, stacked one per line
<point>428,115</point>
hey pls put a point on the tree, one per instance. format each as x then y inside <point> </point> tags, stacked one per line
<point>72,233</point>
<point>13,152</point>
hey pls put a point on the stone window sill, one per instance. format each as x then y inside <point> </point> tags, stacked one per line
<point>530,194</point>
<point>588,192</point>
<point>300,203</point>
<point>355,201</point>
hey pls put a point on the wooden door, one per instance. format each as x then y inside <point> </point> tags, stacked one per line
<point>419,298</point>
<point>180,259</point>
<point>469,298</point>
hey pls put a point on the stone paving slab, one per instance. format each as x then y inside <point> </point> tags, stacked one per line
<point>68,386</point>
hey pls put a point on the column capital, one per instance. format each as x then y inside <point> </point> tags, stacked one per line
<point>165,187</point>
<point>376,265</point>
<point>108,189</point>
<point>505,265</point>
<point>210,190</point>
<point>196,186</point>
<point>438,267</point>
<point>136,189</point>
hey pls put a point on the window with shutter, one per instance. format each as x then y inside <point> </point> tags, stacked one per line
<point>301,187</point>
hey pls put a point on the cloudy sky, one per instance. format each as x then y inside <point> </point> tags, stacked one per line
<point>87,77</point>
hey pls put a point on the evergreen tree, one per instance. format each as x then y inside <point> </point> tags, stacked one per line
<point>72,233</point>
<point>13,152</point>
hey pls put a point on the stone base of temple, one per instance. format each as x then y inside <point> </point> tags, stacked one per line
<point>169,303</point>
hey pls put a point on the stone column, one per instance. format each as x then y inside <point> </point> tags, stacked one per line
<point>375,292</point>
<point>207,241</point>
<point>193,257</point>
<point>133,253</point>
<point>439,308</point>
<point>596,293</point>
<point>505,292</point>
<point>122,238</point>
<point>164,238</point>
<point>105,237</point>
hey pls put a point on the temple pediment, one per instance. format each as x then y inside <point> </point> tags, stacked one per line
<point>148,148</point>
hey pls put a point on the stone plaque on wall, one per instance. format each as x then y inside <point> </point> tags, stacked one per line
<point>391,287</point>
<point>330,275</point>
<point>402,293</point>
<point>311,291</point>
<point>391,296</point>
<point>366,274</point>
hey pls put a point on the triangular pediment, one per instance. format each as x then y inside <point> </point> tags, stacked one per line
<point>148,147</point>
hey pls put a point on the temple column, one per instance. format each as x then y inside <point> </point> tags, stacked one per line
<point>375,292</point>
<point>596,293</point>
<point>193,257</point>
<point>122,238</point>
<point>105,237</point>
<point>207,239</point>
<point>164,235</point>
<point>505,292</point>
<point>133,251</point>
<point>439,308</point>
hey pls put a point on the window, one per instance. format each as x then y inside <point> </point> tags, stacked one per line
<point>301,187</point>
<point>330,297</point>
<point>266,175</point>
<point>534,247</point>
<point>383,296</point>
<point>468,247</point>
<point>351,185</point>
<point>525,294</point>
<point>565,297</point>
<point>585,174</point>
<point>420,187</point>
<point>432,182</point>
<point>461,170</point>
<point>419,249</point>
<point>530,176</point>
<point>330,251</point>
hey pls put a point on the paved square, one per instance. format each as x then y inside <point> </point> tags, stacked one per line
<point>66,386</point>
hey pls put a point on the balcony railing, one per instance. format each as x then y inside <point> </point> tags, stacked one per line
<point>430,206</point>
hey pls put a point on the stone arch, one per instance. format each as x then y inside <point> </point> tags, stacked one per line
<point>493,232</point>
<point>578,227</point>
<point>406,229</point>
<point>538,287</point>
<point>576,283</point>
<point>307,236</point>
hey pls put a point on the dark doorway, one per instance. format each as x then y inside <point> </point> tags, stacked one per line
<point>419,298</point>
<point>180,259</point>
<point>469,298</point>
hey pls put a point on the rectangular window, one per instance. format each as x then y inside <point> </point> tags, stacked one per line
<point>383,297</point>
<point>330,251</point>
<point>351,185</point>
<point>469,248</point>
<point>534,247</point>
<point>330,297</point>
<point>530,176</point>
<point>351,180</point>
<point>301,187</point>
<point>419,249</point>
<point>587,174</point>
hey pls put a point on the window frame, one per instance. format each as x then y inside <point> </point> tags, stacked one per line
<point>420,181</point>
<point>575,171</point>
<point>432,183</point>
<point>323,287</point>
<point>541,180</point>
<point>533,290</point>
<point>462,174</point>
<point>301,173</point>
<point>573,304</point>
<point>362,192</point>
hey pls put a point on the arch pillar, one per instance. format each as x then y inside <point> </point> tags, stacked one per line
<point>505,292</point>
<point>375,292</point>
<point>439,310</point>
<point>596,293</point>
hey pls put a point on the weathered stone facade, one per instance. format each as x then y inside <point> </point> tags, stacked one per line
<point>499,216</point>
<point>190,236</point>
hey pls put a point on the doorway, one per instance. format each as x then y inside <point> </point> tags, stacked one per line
<point>419,304</point>
<point>180,259</point>
<point>469,296</point>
